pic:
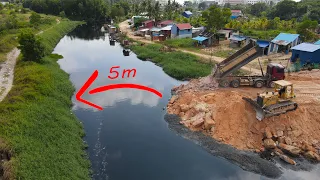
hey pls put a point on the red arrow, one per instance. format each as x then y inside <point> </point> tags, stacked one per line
<point>108,87</point>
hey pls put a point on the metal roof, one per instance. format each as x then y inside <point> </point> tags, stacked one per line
<point>155,29</point>
<point>200,38</point>
<point>184,26</point>
<point>307,47</point>
<point>188,12</point>
<point>147,21</point>
<point>167,28</point>
<point>285,38</point>
<point>166,22</point>
<point>283,83</point>
<point>317,43</point>
<point>237,38</point>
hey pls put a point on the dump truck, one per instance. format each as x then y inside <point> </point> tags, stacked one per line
<point>274,103</point>
<point>223,70</point>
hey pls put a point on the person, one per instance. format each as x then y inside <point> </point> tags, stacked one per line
<point>281,91</point>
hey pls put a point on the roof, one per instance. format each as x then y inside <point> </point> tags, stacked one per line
<point>188,12</point>
<point>167,28</point>
<point>285,38</point>
<point>237,38</point>
<point>166,22</point>
<point>262,43</point>
<point>143,30</point>
<point>200,38</point>
<point>155,29</point>
<point>184,26</point>
<point>317,43</point>
<point>237,11</point>
<point>224,31</point>
<point>276,65</point>
<point>147,21</point>
<point>283,83</point>
<point>307,47</point>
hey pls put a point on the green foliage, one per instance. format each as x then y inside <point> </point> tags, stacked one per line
<point>30,46</point>
<point>215,18</point>
<point>179,43</point>
<point>62,14</point>
<point>44,137</point>
<point>257,8</point>
<point>307,30</point>
<point>176,64</point>
<point>35,19</point>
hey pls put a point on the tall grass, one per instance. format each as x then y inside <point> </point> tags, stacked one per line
<point>44,137</point>
<point>176,64</point>
<point>180,43</point>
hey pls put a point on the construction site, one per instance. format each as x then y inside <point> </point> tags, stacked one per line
<point>276,111</point>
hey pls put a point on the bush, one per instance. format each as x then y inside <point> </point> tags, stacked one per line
<point>30,46</point>
<point>62,14</point>
<point>35,19</point>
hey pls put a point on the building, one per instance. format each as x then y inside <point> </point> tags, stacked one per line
<point>148,24</point>
<point>317,43</point>
<point>283,43</point>
<point>238,41</point>
<point>166,31</point>
<point>187,14</point>
<point>305,53</point>
<point>181,30</point>
<point>165,23</point>
<point>235,14</point>
<point>264,45</point>
<point>234,2</point>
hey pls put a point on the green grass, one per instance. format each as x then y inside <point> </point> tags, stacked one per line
<point>224,53</point>
<point>180,43</point>
<point>176,64</point>
<point>40,132</point>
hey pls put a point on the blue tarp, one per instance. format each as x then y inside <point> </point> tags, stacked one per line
<point>317,43</point>
<point>285,38</point>
<point>200,38</point>
<point>234,17</point>
<point>307,47</point>
<point>262,43</point>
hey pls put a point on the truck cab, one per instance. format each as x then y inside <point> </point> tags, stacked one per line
<point>275,71</point>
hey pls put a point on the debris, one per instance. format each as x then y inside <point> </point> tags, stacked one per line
<point>292,150</point>
<point>269,144</point>
<point>312,156</point>
<point>288,141</point>
<point>198,123</point>
<point>286,158</point>
<point>268,133</point>
<point>279,133</point>
<point>184,107</point>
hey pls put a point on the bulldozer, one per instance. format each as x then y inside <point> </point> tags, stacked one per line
<point>274,103</point>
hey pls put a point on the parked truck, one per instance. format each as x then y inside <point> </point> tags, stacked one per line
<point>222,71</point>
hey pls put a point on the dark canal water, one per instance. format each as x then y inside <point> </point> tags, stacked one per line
<point>129,139</point>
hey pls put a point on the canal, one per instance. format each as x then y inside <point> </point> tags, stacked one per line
<point>129,139</point>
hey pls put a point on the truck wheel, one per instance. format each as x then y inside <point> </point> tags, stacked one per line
<point>258,84</point>
<point>271,84</point>
<point>235,83</point>
<point>224,83</point>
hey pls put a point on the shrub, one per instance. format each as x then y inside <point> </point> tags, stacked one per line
<point>30,46</point>
<point>62,14</point>
<point>35,19</point>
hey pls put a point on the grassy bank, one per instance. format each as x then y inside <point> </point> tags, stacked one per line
<point>40,132</point>
<point>176,64</point>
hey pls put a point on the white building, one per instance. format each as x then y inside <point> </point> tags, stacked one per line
<point>234,2</point>
<point>265,1</point>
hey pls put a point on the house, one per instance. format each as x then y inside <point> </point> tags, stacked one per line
<point>165,23</point>
<point>148,24</point>
<point>283,42</point>
<point>226,33</point>
<point>238,41</point>
<point>197,31</point>
<point>207,39</point>
<point>166,31</point>
<point>235,14</point>
<point>187,14</point>
<point>317,43</point>
<point>181,30</point>
<point>306,53</point>
<point>264,45</point>
<point>155,33</point>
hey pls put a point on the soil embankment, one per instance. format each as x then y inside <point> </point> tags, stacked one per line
<point>222,114</point>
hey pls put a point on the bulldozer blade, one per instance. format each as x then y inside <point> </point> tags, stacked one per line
<point>260,113</point>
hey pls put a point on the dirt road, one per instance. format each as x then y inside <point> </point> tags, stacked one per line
<point>7,73</point>
<point>124,27</point>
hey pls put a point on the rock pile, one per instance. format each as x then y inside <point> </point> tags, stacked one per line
<point>279,144</point>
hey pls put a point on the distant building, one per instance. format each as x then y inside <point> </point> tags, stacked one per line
<point>283,42</point>
<point>148,24</point>
<point>165,23</point>
<point>234,2</point>
<point>181,30</point>
<point>187,14</point>
<point>235,14</point>
<point>306,53</point>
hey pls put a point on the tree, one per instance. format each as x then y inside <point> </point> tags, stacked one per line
<point>30,46</point>
<point>202,6</point>
<point>307,29</point>
<point>216,18</point>
<point>35,19</point>
<point>257,8</point>
<point>62,14</point>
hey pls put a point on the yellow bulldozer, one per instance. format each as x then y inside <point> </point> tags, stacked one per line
<point>274,103</point>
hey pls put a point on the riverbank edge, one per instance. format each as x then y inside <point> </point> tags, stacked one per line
<point>40,137</point>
